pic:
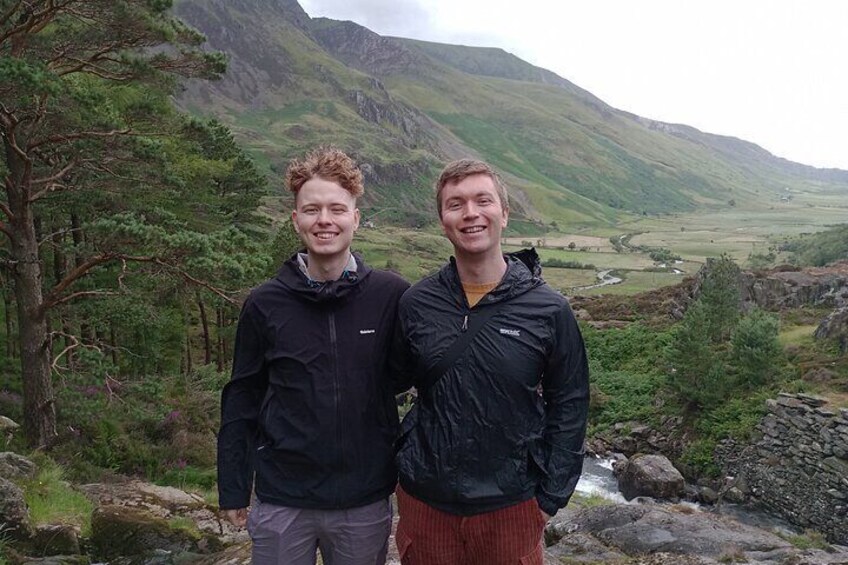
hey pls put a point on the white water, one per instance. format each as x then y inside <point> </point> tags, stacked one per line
<point>597,479</point>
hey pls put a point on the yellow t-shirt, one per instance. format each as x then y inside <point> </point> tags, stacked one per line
<point>474,293</point>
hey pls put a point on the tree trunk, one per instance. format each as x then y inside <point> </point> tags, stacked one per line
<point>113,343</point>
<point>39,402</point>
<point>10,327</point>
<point>219,318</point>
<point>86,331</point>
<point>204,322</point>
<point>188,364</point>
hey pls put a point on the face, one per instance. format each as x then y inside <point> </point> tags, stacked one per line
<point>472,216</point>
<point>325,217</point>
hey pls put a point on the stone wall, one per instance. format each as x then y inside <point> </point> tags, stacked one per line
<point>798,465</point>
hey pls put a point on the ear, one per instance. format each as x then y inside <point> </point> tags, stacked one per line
<point>505,218</point>
<point>294,222</point>
<point>356,216</point>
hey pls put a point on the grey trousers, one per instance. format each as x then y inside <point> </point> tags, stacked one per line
<point>291,536</point>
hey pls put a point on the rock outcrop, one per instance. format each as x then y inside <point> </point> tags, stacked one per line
<point>835,327</point>
<point>649,533</point>
<point>167,503</point>
<point>825,286</point>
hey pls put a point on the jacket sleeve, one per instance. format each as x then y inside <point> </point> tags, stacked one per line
<point>400,364</point>
<point>241,402</point>
<point>565,387</point>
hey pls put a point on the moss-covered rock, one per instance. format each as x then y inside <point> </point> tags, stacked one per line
<point>122,531</point>
<point>14,514</point>
<point>58,539</point>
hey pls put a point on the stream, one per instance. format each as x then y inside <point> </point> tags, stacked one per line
<point>597,479</point>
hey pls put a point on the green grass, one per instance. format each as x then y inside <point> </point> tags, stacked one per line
<point>565,280</point>
<point>634,282</point>
<point>810,539</point>
<point>412,253</point>
<point>52,500</point>
<point>797,335</point>
<point>590,500</point>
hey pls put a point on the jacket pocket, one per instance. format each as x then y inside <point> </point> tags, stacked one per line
<point>536,459</point>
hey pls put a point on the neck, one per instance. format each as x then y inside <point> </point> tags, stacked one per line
<point>327,268</point>
<point>481,269</point>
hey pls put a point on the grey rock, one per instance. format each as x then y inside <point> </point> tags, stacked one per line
<point>650,475</point>
<point>58,539</point>
<point>14,514</point>
<point>14,466</point>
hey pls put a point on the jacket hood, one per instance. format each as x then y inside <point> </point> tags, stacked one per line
<point>523,273</point>
<point>293,278</point>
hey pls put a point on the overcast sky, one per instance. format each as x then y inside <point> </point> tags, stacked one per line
<point>774,72</point>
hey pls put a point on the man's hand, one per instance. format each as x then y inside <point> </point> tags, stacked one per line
<point>237,518</point>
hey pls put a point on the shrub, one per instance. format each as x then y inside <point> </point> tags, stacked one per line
<point>755,350</point>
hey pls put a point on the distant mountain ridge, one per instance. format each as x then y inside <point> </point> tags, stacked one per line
<point>404,107</point>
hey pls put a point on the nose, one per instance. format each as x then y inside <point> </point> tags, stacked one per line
<point>324,216</point>
<point>470,210</point>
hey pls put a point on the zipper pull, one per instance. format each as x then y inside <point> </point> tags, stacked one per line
<point>465,323</point>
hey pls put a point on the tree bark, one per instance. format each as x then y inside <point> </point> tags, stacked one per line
<point>219,318</point>
<point>188,364</point>
<point>86,331</point>
<point>39,401</point>
<point>204,322</point>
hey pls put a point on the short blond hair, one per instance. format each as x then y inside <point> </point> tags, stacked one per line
<point>458,171</point>
<point>328,163</point>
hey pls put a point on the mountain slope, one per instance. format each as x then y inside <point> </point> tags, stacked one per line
<point>404,107</point>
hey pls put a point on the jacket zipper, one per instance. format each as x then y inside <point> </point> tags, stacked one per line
<point>337,404</point>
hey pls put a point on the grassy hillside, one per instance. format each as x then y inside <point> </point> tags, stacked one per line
<point>405,107</point>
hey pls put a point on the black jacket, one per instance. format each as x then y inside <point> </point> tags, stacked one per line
<point>484,436</point>
<point>310,406</point>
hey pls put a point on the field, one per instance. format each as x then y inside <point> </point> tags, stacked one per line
<point>415,253</point>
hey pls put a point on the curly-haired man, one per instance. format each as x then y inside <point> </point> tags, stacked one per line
<point>309,417</point>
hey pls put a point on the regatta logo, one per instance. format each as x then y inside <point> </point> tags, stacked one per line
<point>513,333</point>
<point>366,332</point>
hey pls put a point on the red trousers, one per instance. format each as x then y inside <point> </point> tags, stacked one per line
<point>509,536</point>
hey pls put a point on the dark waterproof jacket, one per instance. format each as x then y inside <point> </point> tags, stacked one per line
<point>484,437</point>
<point>310,407</point>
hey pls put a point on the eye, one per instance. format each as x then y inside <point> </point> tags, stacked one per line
<point>454,205</point>
<point>339,210</point>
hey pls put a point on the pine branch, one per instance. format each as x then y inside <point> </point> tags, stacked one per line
<point>79,135</point>
<point>53,297</point>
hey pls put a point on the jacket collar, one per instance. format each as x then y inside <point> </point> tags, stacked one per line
<point>293,278</point>
<point>523,273</point>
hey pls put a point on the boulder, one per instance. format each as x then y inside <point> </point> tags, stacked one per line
<point>14,466</point>
<point>121,531</point>
<point>57,539</point>
<point>650,475</point>
<point>167,503</point>
<point>7,425</point>
<point>14,513</point>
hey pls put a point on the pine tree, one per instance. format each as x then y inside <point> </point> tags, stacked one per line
<point>82,87</point>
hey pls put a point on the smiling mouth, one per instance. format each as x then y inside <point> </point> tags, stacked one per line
<point>473,229</point>
<point>325,236</point>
